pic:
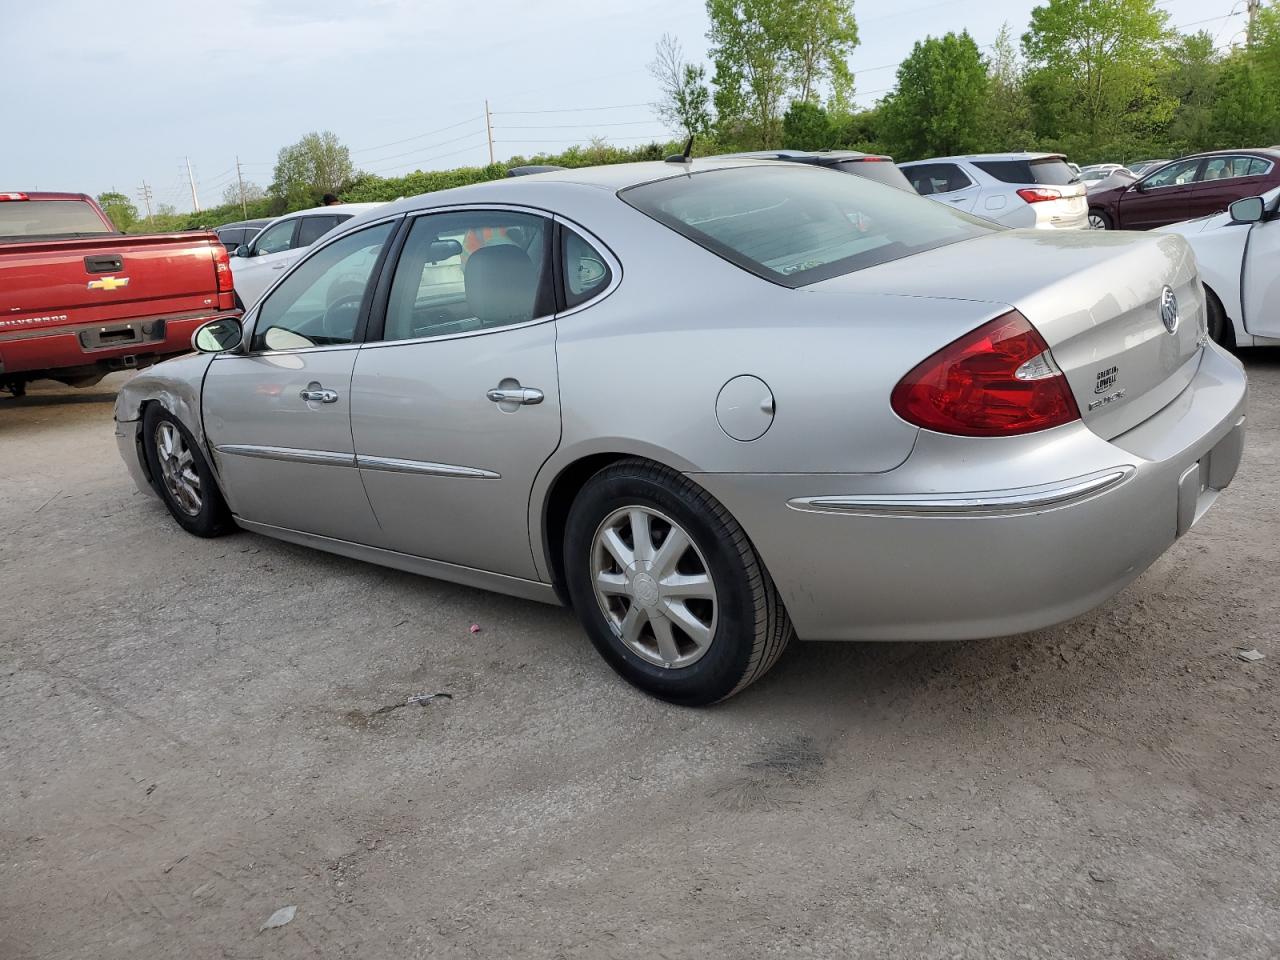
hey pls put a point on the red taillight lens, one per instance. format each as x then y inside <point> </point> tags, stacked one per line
<point>13,196</point>
<point>226,281</point>
<point>997,381</point>
<point>1039,194</point>
<point>222,266</point>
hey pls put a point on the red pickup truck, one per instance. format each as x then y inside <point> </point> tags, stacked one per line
<point>79,299</point>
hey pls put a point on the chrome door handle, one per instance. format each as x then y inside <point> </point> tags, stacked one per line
<point>318,394</point>
<point>278,266</point>
<point>525,395</point>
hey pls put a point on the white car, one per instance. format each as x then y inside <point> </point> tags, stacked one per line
<point>1016,189</point>
<point>277,246</point>
<point>1097,172</point>
<point>1237,252</point>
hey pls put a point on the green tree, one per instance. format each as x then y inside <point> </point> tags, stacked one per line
<point>821,36</point>
<point>315,165</point>
<point>252,194</point>
<point>1244,110</point>
<point>119,208</point>
<point>749,47</point>
<point>1191,79</point>
<point>940,96</point>
<point>686,102</point>
<point>1004,121</point>
<point>806,126</point>
<point>1094,67</point>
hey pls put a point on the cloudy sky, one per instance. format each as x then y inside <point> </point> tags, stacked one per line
<point>112,96</point>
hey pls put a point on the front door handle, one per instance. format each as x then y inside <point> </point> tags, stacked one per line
<point>278,266</point>
<point>524,395</point>
<point>318,394</point>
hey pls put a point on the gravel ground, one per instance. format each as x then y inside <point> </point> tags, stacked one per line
<point>196,733</point>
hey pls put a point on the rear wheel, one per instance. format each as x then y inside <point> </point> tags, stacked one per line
<point>1221,330</point>
<point>1098,220</point>
<point>668,587</point>
<point>183,478</point>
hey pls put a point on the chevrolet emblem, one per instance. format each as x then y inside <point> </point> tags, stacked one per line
<point>108,283</point>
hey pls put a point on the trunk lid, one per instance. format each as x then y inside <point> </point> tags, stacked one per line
<point>51,283</point>
<point>1096,298</point>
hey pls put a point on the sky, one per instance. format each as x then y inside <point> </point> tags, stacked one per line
<point>112,97</point>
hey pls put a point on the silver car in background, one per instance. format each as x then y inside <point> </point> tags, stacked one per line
<point>1016,189</point>
<point>710,405</point>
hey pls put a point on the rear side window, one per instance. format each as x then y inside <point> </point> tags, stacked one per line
<point>312,229</point>
<point>794,225</point>
<point>48,218</point>
<point>931,178</point>
<point>1052,171</point>
<point>881,171</point>
<point>586,271</point>
<point>1258,166</point>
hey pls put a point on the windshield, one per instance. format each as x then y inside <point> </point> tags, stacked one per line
<point>796,225</point>
<point>49,218</point>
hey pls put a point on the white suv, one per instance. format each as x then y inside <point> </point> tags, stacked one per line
<point>1016,189</point>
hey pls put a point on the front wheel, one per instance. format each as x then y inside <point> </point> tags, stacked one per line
<point>668,587</point>
<point>1098,220</point>
<point>182,476</point>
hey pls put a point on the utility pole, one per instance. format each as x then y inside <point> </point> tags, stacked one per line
<point>244,208</point>
<point>1253,6</point>
<point>488,125</point>
<point>195,200</point>
<point>144,194</point>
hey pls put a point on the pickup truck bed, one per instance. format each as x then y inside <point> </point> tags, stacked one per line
<point>76,304</point>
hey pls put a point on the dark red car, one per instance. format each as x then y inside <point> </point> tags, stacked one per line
<point>1195,186</point>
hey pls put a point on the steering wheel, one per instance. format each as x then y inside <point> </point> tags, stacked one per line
<point>339,320</point>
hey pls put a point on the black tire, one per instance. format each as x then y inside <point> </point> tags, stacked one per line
<point>213,518</point>
<point>751,627</point>
<point>1221,330</point>
<point>1100,220</point>
<point>18,388</point>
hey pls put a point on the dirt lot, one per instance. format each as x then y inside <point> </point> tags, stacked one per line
<point>196,733</point>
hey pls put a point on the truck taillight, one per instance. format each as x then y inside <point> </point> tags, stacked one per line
<point>226,281</point>
<point>1039,194</point>
<point>996,381</point>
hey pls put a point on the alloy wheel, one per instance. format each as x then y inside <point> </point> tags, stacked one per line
<point>1096,222</point>
<point>177,468</point>
<point>654,587</point>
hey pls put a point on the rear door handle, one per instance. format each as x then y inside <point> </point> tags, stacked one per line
<point>523,395</point>
<point>317,394</point>
<point>278,266</point>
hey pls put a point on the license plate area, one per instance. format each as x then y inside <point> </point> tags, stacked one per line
<point>111,336</point>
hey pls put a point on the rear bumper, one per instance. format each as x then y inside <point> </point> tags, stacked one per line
<point>975,538</point>
<point>90,345</point>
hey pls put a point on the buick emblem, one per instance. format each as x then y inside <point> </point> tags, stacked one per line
<point>1169,309</point>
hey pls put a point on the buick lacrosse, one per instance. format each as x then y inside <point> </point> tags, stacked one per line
<point>711,405</point>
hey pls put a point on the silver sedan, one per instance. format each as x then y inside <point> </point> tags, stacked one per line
<point>711,405</point>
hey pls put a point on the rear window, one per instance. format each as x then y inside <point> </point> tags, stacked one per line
<point>49,218</point>
<point>796,225</point>
<point>880,171</point>
<point>1052,171</point>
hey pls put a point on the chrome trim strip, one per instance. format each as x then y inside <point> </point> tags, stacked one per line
<point>1017,499</point>
<point>292,454</point>
<point>424,467</point>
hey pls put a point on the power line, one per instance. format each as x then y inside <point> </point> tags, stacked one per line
<point>419,136</point>
<point>574,126</point>
<point>441,156</point>
<point>429,146</point>
<point>616,106</point>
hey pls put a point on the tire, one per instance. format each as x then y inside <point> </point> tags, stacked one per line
<point>168,445</point>
<point>1221,330</point>
<point>744,624</point>
<point>1100,220</point>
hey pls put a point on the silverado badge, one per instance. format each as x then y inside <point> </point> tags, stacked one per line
<point>108,283</point>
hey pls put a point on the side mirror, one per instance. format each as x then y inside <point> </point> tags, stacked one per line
<point>242,250</point>
<point>1248,210</point>
<point>218,336</point>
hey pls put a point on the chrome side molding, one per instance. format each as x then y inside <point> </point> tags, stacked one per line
<point>330,458</point>
<point>395,465</point>
<point>322,457</point>
<point>1013,500</point>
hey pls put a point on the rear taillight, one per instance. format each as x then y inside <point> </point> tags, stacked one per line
<point>1039,194</point>
<point>13,196</point>
<point>226,281</point>
<point>997,381</point>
